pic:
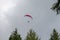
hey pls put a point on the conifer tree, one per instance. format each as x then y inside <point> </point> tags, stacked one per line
<point>54,35</point>
<point>31,35</point>
<point>15,36</point>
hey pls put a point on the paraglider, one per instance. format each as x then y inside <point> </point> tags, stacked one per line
<point>28,15</point>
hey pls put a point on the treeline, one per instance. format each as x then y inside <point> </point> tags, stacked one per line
<point>31,35</point>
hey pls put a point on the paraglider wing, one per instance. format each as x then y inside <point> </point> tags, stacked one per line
<point>29,16</point>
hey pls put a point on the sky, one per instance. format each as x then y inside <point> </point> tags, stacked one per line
<point>12,16</point>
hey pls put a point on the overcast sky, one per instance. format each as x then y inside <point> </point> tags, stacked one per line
<point>12,16</point>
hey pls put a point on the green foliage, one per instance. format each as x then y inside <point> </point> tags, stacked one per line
<point>15,36</point>
<point>55,35</point>
<point>56,6</point>
<point>31,35</point>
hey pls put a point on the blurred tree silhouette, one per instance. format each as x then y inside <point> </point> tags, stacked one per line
<point>55,35</point>
<point>15,35</point>
<point>31,35</point>
<point>56,6</point>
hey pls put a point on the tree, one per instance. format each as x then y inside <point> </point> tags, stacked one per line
<point>15,36</point>
<point>56,6</point>
<point>31,35</point>
<point>55,35</point>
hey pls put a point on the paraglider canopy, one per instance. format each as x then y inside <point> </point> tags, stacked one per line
<point>28,15</point>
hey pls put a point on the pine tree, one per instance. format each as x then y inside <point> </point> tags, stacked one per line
<point>15,36</point>
<point>32,36</point>
<point>55,35</point>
